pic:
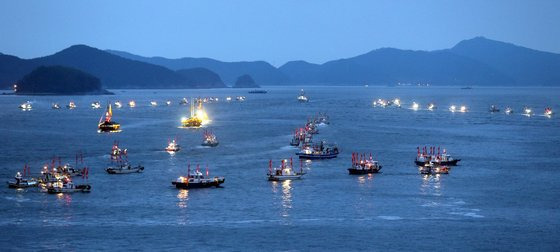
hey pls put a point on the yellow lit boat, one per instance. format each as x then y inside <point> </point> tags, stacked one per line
<point>196,119</point>
<point>107,125</point>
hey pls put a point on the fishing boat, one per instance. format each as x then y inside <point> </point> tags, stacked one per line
<point>228,98</point>
<point>55,106</point>
<point>302,97</point>
<point>66,185</point>
<point>95,105</point>
<point>322,119</point>
<point>415,106</point>
<point>184,101</point>
<point>209,139</point>
<point>20,181</point>
<point>153,103</point>
<point>395,102</point>
<point>494,109</point>
<point>240,98</point>
<point>107,125</point>
<point>319,151</point>
<point>197,180</point>
<point>124,168</point>
<point>132,104</point>
<point>258,91</point>
<point>433,169</point>
<point>508,110</point>
<point>172,146</point>
<point>431,106</point>
<point>284,172</point>
<point>380,103</point>
<point>26,106</point>
<point>117,152</point>
<point>118,104</point>
<point>430,155</point>
<point>548,111</point>
<point>71,105</point>
<point>295,141</point>
<point>361,165</point>
<point>194,120</point>
<point>168,103</point>
<point>527,111</point>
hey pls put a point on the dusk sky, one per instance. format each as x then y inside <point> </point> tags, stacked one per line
<point>275,31</point>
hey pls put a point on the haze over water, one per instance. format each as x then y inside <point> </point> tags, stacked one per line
<point>503,195</point>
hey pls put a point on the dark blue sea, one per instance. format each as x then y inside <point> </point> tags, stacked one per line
<point>504,195</point>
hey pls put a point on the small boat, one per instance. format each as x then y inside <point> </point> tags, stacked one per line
<point>527,111</point>
<point>209,139</point>
<point>320,151</point>
<point>197,180</point>
<point>431,106</point>
<point>284,172</point>
<point>118,104</point>
<point>361,165</point>
<point>322,119</point>
<point>431,155</point>
<point>380,103</point>
<point>71,105</point>
<point>20,181</point>
<point>95,105</point>
<point>107,125</point>
<point>228,98</point>
<point>116,152</point>
<point>395,102</point>
<point>193,121</point>
<point>466,88</point>
<point>258,91</point>
<point>168,103</point>
<point>184,101</point>
<point>55,106</point>
<point>433,169</point>
<point>153,103</point>
<point>415,106</point>
<point>463,109</point>
<point>548,111</point>
<point>132,104</point>
<point>124,168</point>
<point>494,109</point>
<point>295,141</point>
<point>173,146</point>
<point>302,97</point>
<point>508,110</point>
<point>26,106</point>
<point>240,98</point>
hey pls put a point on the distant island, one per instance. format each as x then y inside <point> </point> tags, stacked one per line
<point>200,77</point>
<point>245,81</point>
<point>59,80</point>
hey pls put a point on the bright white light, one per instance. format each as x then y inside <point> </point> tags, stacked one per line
<point>415,106</point>
<point>452,108</point>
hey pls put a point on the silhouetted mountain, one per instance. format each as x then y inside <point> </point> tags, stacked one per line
<point>525,66</point>
<point>59,80</point>
<point>261,71</point>
<point>301,71</point>
<point>202,78</point>
<point>245,81</point>
<point>114,71</point>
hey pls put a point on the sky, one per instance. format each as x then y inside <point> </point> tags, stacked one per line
<point>274,31</point>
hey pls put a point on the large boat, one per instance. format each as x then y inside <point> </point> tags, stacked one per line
<point>362,165</point>
<point>20,181</point>
<point>431,156</point>
<point>284,172</point>
<point>302,97</point>
<point>124,168</point>
<point>26,106</point>
<point>67,186</point>
<point>209,139</point>
<point>107,125</point>
<point>193,121</point>
<point>197,180</point>
<point>173,146</point>
<point>433,169</point>
<point>319,151</point>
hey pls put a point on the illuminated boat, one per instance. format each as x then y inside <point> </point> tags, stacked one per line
<point>55,106</point>
<point>430,155</point>
<point>209,139</point>
<point>173,146</point>
<point>20,181</point>
<point>124,168</point>
<point>67,186</point>
<point>116,152</point>
<point>26,106</point>
<point>240,98</point>
<point>320,151</point>
<point>380,103</point>
<point>284,172</point>
<point>508,110</point>
<point>168,103</point>
<point>194,120</point>
<point>395,102</point>
<point>361,165</point>
<point>132,104</point>
<point>415,106</point>
<point>302,97</point>
<point>548,112</point>
<point>228,98</point>
<point>184,101</point>
<point>322,119</point>
<point>118,104</point>
<point>197,180</point>
<point>71,105</point>
<point>433,169</point>
<point>431,106</point>
<point>527,111</point>
<point>494,109</point>
<point>95,105</point>
<point>153,103</point>
<point>107,125</point>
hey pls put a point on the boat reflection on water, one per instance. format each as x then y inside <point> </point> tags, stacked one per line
<point>286,196</point>
<point>431,185</point>
<point>366,178</point>
<point>64,198</point>
<point>183,197</point>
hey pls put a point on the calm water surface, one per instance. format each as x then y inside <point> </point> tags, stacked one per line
<point>504,195</point>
